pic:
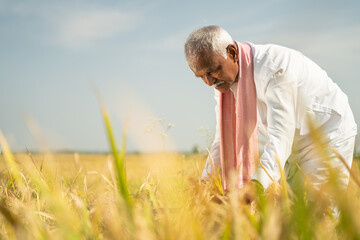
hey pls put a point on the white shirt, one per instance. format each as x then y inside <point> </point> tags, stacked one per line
<point>290,88</point>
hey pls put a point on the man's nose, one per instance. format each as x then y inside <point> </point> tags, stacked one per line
<point>209,80</point>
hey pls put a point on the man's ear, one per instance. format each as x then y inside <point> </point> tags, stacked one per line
<point>232,52</point>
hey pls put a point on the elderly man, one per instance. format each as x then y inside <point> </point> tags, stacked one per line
<point>273,90</point>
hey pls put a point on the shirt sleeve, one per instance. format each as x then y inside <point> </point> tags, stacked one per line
<point>215,147</point>
<point>281,101</point>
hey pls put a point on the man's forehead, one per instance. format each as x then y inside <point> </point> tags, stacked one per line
<point>204,63</point>
<point>201,70</point>
<point>206,57</point>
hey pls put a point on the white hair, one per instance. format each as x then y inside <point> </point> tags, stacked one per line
<point>210,38</point>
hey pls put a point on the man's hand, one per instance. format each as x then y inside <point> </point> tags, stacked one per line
<point>253,190</point>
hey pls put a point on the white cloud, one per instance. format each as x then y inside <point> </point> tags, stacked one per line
<point>169,42</point>
<point>73,25</point>
<point>82,28</point>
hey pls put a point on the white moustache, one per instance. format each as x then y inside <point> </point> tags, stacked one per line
<point>217,84</point>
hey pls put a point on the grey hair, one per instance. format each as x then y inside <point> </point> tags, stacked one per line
<point>211,38</point>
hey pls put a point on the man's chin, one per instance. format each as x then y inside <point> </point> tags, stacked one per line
<point>223,88</point>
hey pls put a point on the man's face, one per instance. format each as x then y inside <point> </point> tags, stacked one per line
<point>217,71</point>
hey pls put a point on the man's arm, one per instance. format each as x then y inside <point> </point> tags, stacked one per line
<point>281,101</point>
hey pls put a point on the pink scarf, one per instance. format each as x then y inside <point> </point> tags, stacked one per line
<point>238,131</point>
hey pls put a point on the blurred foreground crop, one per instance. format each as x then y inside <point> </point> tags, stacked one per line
<point>71,196</point>
<point>159,196</point>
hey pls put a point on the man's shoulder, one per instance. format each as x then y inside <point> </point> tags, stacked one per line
<point>267,46</point>
<point>270,50</point>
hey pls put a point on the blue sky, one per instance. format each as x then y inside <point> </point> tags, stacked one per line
<point>53,52</point>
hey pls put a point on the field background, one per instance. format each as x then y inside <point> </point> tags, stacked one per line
<point>167,202</point>
<point>171,170</point>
